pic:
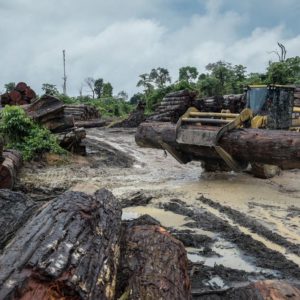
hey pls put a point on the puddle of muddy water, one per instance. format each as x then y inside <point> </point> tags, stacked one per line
<point>227,255</point>
<point>166,218</point>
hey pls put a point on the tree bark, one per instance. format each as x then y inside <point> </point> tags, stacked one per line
<point>276,147</point>
<point>69,250</point>
<point>15,210</point>
<point>153,264</point>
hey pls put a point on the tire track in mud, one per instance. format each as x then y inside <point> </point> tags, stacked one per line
<point>263,256</point>
<point>243,220</point>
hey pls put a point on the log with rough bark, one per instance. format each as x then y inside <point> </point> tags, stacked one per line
<point>260,290</point>
<point>15,210</point>
<point>153,263</point>
<point>275,147</point>
<point>68,250</point>
<point>9,168</point>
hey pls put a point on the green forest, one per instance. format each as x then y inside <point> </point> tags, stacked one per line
<point>219,78</point>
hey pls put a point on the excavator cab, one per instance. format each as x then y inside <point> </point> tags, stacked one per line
<point>272,106</point>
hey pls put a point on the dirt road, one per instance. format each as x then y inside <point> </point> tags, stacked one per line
<point>236,228</point>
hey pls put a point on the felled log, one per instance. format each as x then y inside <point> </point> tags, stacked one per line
<point>275,147</point>
<point>72,140</point>
<point>153,264</point>
<point>15,210</point>
<point>9,168</point>
<point>93,123</point>
<point>69,250</point>
<point>260,290</point>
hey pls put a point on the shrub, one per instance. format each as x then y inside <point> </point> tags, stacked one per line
<point>22,134</point>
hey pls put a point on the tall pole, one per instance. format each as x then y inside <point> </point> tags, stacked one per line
<point>65,76</point>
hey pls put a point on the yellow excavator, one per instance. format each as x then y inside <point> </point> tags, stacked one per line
<point>267,106</point>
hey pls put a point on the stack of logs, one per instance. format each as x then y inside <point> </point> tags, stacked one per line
<point>81,112</point>
<point>20,95</point>
<point>233,103</point>
<point>77,247</point>
<point>173,106</point>
<point>297,97</point>
<point>49,111</point>
<point>83,115</point>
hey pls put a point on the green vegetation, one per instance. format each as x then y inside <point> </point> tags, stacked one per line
<point>22,134</point>
<point>220,78</point>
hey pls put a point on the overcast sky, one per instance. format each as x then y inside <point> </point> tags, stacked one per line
<point>119,39</point>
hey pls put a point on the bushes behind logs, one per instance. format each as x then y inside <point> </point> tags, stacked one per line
<point>22,134</point>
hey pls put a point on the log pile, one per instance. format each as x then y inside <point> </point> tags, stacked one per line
<point>134,119</point>
<point>20,95</point>
<point>275,147</point>
<point>173,106</point>
<point>297,97</point>
<point>81,112</point>
<point>233,103</point>
<point>49,111</point>
<point>70,249</point>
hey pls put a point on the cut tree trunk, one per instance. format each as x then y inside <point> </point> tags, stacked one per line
<point>153,264</point>
<point>275,147</point>
<point>69,250</point>
<point>9,168</point>
<point>15,210</point>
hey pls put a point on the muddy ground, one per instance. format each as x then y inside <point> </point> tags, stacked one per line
<point>236,228</point>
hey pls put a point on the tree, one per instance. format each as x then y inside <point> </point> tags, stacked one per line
<point>123,95</point>
<point>221,70</point>
<point>160,76</point>
<point>50,89</point>
<point>98,87</point>
<point>188,73</point>
<point>282,54</point>
<point>284,72</point>
<point>210,86</point>
<point>136,98</point>
<point>9,87</point>
<point>107,90</point>
<point>145,83</point>
<point>90,82</point>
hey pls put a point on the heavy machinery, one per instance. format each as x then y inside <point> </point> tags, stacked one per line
<point>267,107</point>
